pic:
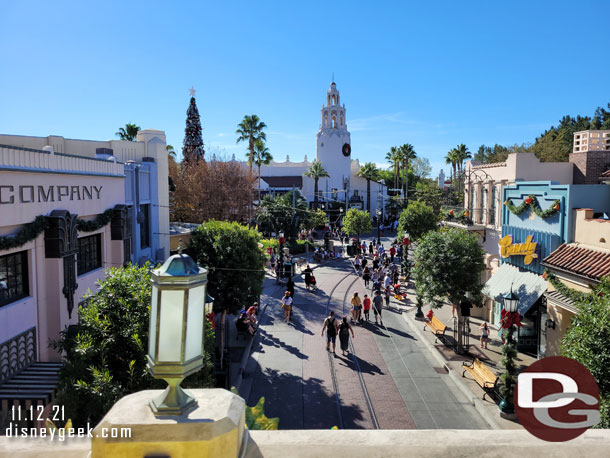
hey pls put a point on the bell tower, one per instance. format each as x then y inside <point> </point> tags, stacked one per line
<point>333,148</point>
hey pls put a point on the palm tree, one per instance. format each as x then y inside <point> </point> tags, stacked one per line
<point>171,151</point>
<point>262,156</point>
<point>394,158</point>
<point>129,132</point>
<point>451,158</point>
<point>407,154</point>
<point>316,171</point>
<point>462,154</point>
<point>369,172</point>
<point>250,130</point>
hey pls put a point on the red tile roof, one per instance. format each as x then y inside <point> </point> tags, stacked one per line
<point>586,262</point>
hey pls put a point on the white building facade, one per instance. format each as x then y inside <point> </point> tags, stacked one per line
<point>343,187</point>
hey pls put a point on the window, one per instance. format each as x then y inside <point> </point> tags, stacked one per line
<point>14,283</point>
<point>89,254</point>
<point>145,226</point>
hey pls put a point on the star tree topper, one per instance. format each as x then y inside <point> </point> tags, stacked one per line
<point>192,91</point>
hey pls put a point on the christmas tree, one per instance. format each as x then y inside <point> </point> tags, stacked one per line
<point>193,143</point>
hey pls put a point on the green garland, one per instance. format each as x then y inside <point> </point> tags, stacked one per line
<point>99,222</point>
<point>572,294</point>
<point>32,230</point>
<point>460,216</point>
<point>534,205</point>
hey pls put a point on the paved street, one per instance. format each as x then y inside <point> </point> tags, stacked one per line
<point>391,380</point>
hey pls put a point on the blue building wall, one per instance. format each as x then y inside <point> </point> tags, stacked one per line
<point>550,232</point>
<point>141,192</point>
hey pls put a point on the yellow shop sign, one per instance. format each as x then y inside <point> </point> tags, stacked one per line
<point>527,249</point>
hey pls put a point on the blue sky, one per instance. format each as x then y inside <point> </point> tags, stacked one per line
<point>433,74</point>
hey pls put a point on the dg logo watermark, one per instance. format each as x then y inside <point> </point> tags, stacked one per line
<point>557,399</point>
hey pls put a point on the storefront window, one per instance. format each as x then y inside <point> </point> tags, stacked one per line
<point>14,283</point>
<point>89,254</point>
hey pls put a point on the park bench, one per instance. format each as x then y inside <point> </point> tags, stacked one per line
<point>482,374</point>
<point>436,326</point>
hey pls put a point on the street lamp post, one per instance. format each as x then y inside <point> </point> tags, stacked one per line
<point>378,231</point>
<point>510,319</point>
<point>175,345</point>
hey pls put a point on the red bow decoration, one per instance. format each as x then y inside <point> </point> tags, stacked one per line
<point>509,319</point>
<point>429,315</point>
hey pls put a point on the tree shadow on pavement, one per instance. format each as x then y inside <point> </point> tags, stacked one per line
<point>400,333</point>
<point>269,340</point>
<point>300,403</point>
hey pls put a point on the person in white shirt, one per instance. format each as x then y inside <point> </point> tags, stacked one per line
<point>287,305</point>
<point>387,282</point>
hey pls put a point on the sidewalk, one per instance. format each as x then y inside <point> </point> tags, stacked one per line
<point>492,356</point>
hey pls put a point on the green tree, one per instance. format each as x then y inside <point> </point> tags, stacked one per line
<point>428,192</point>
<point>192,145</point>
<point>421,167</point>
<point>235,262</point>
<point>587,340</point>
<point>369,172</point>
<point>129,132</point>
<point>407,155</point>
<point>416,220</point>
<point>357,222</point>
<point>452,158</point>
<point>461,154</point>
<point>262,156</point>
<point>284,213</point>
<point>315,219</point>
<point>250,130</point>
<point>316,171</point>
<point>105,353</point>
<point>448,266</point>
<point>171,151</point>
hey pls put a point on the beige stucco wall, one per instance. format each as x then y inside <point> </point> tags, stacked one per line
<point>592,232</point>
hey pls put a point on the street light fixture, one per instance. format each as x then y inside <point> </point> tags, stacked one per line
<point>176,336</point>
<point>510,319</point>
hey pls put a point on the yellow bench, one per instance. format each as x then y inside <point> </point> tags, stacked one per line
<point>482,374</point>
<point>436,326</point>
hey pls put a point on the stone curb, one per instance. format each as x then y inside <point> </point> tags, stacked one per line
<point>469,395</point>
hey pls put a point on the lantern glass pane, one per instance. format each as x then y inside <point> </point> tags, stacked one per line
<point>170,327</point>
<point>194,326</point>
<point>152,330</point>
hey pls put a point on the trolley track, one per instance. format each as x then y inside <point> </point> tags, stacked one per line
<point>354,359</point>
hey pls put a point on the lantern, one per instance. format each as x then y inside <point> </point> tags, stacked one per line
<point>176,337</point>
<point>511,301</point>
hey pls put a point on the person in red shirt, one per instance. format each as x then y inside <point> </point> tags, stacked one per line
<point>392,253</point>
<point>366,304</point>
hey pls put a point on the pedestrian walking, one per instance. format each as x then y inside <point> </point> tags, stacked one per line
<point>357,263</point>
<point>356,307</point>
<point>366,276</point>
<point>371,249</point>
<point>366,305</point>
<point>290,287</point>
<point>287,306</point>
<point>484,335</point>
<point>330,325</point>
<point>308,274</point>
<point>364,261</point>
<point>392,253</point>
<point>377,306</point>
<point>344,330</point>
<point>387,297</point>
<point>387,281</point>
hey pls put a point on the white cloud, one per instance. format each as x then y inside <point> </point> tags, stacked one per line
<point>221,134</point>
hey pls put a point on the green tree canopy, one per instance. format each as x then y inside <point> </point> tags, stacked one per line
<point>316,171</point>
<point>357,222</point>
<point>428,192</point>
<point>370,173</point>
<point>105,353</point>
<point>416,220</point>
<point>587,340</point>
<point>235,262</point>
<point>278,214</point>
<point>448,266</point>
